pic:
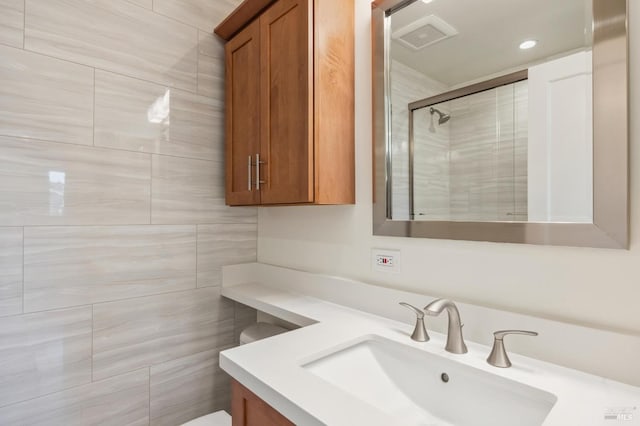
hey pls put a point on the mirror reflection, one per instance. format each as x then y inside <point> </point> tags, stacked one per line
<point>491,125</point>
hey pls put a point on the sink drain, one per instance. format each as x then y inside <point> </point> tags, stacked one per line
<point>444,377</point>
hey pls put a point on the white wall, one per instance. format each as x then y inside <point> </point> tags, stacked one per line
<point>560,148</point>
<point>594,287</point>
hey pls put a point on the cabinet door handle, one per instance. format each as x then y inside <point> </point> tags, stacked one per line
<point>258,172</point>
<point>258,163</point>
<point>249,174</point>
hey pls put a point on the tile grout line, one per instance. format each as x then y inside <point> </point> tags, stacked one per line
<point>111,225</point>
<point>92,325</point>
<point>149,391</point>
<point>93,123</point>
<point>70,388</point>
<point>66,308</point>
<point>155,294</point>
<point>91,305</point>
<point>24,23</point>
<point>171,18</point>
<point>235,321</point>
<point>133,77</point>
<point>23,231</point>
<point>176,20</point>
<point>197,61</point>
<point>151,189</point>
<point>13,46</point>
<point>197,238</point>
<point>108,148</point>
<point>193,92</point>
<point>257,234</point>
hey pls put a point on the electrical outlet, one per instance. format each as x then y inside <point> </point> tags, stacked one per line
<point>384,260</point>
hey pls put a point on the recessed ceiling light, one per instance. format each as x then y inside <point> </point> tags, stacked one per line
<point>528,44</point>
<point>426,1</point>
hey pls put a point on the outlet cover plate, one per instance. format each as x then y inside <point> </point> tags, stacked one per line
<point>385,260</point>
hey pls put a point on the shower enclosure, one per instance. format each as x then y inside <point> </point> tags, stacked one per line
<point>468,154</point>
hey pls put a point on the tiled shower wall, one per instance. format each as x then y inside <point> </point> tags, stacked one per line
<point>488,145</point>
<point>473,167</point>
<point>409,85</point>
<point>113,226</point>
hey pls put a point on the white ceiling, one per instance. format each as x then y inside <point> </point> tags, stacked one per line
<point>490,32</point>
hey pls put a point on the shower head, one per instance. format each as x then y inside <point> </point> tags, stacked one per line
<point>443,118</point>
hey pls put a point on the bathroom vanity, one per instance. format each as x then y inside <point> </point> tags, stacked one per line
<point>349,366</point>
<point>247,409</point>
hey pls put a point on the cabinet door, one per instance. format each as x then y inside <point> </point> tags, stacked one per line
<point>242,59</point>
<point>287,103</point>
<point>249,410</point>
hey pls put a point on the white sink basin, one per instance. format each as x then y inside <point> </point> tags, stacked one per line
<point>407,384</point>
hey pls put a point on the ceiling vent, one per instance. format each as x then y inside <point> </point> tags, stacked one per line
<point>424,32</point>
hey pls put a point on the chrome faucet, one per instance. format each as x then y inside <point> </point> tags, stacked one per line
<point>455,342</point>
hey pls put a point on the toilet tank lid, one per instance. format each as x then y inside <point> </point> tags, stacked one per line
<point>219,418</point>
<point>259,331</point>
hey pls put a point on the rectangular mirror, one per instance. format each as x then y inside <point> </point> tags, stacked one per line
<point>501,120</point>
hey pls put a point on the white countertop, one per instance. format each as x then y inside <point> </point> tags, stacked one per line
<point>271,368</point>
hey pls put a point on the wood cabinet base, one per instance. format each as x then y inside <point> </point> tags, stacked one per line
<point>247,409</point>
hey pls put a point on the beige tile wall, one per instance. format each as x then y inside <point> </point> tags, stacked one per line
<point>113,227</point>
<point>46,98</point>
<point>489,149</point>
<point>183,387</point>
<point>10,271</point>
<point>473,167</point>
<point>12,22</point>
<point>210,65</point>
<point>409,85</point>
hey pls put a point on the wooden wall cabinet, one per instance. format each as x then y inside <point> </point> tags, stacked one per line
<point>290,103</point>
<point>247,409</point>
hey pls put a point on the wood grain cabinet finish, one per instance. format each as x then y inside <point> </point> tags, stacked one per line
<point>242,124</point>
<point>247,409</point>
<point>290,105</point>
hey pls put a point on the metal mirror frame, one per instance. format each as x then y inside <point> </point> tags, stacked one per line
<point>610,227</point>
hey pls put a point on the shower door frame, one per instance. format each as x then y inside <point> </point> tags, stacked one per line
<point>462,92</point>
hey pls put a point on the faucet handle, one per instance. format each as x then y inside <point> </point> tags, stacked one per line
<point>419,312</point>
<point>419,332</point>
<point>500,334</point>
<point>498,356</point>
